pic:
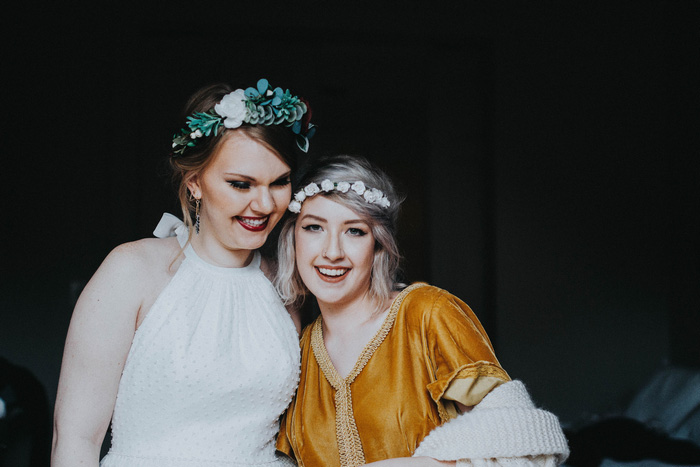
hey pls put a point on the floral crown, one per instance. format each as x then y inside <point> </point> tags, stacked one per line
<point>257,106</point>
<point>371,195</point>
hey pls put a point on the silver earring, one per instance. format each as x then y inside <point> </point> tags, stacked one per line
<point>196,216</point>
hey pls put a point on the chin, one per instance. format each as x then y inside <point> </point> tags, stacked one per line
<point>251,240</point>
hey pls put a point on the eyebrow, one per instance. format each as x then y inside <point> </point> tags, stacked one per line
<point>321,219</point>
<point>253,179</point>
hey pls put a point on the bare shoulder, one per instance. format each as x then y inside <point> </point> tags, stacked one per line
<point>148,254</point>
<point>134,273</point>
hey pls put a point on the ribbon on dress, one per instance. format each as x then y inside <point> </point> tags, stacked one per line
<point>170,226</point>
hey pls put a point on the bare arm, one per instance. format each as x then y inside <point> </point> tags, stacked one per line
<point>99,337</point>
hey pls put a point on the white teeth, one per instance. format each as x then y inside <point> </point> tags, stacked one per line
<point>332,272</point>
<point>253,222</point>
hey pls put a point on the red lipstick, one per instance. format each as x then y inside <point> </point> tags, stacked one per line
<point>254,224</point>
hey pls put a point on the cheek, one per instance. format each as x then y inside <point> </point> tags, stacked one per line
<point>222,198</point>
<point>282,198</point>
<point>302,252</point>
<point>367,257</point>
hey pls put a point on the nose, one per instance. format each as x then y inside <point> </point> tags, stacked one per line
<point>263,203</point>
<point>333,248</point>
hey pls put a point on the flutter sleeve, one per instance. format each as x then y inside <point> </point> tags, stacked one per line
<point>460,353</point>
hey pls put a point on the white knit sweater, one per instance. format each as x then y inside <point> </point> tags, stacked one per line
<point>505,428</point>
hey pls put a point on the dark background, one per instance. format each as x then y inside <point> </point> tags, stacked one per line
<point>548,152</point>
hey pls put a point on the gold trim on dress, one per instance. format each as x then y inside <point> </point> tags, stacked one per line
<point>348,437</point>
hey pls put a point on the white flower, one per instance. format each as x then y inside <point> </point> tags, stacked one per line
<point>295,207</point>
<point>232,108</point>
<point>196,134</point>
<point>384,202</point>
<point>311,189</point>
<point>327,185</point>
<point>343,187</point>
<point>371,195</point>
<point>300,196</point>
<point>174,145</point>
<point>358,187</point>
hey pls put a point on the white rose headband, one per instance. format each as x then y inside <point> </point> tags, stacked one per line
<point>371,195</point>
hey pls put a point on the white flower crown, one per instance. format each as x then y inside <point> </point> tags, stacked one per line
<point>371,195</point>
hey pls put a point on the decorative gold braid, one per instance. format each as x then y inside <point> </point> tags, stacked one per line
<point>348,437</point>
<point>349,443</point>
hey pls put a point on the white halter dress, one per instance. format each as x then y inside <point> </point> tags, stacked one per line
<point>211,368</point>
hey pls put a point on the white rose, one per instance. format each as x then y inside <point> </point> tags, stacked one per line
<point>343,187</point>
<point>295,207</point>
<point>384,202</point>
<point>370,196</point>
<point>358,187</point>
<point>300,196</point>
<point>327,185</point>
<point>232,108</point>
<point>311,189</point>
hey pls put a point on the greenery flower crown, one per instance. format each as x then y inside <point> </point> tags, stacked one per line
<point>371,195</point>
<point>256,106</point>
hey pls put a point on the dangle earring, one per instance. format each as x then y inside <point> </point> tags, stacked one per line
<point>196,216</point>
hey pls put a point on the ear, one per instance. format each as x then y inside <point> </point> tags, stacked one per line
<point>194,186</point>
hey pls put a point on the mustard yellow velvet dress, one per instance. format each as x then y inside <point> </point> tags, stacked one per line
<point>431,350</point>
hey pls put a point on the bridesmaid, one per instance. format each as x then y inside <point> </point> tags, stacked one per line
<point>391,375</point>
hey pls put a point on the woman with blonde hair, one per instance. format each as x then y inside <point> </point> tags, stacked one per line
<point>181,341</point>
<point>390,375</point>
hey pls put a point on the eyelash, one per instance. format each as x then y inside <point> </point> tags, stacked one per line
<point>357,232</point>
<point>245,185</point>
<point>354,231</point>
<point>240,185</point>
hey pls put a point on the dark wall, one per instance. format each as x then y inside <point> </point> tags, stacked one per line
<point>548,154</point>
<point>596,150</point>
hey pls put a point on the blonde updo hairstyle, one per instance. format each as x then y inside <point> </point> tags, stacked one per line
<point>277,138</point>
<point>382,221</point>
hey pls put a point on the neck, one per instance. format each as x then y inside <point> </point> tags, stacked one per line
<point>213,252</point>
<point>345,318</point>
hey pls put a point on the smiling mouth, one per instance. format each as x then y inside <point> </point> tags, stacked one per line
<point>332,274</point>
<point>254,224</point>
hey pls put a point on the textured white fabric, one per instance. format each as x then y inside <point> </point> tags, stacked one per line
<point>505,424</point>
<point>527,461</point>
<point>211,368</point>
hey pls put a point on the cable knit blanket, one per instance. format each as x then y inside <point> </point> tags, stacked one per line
<point>503,428</point>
